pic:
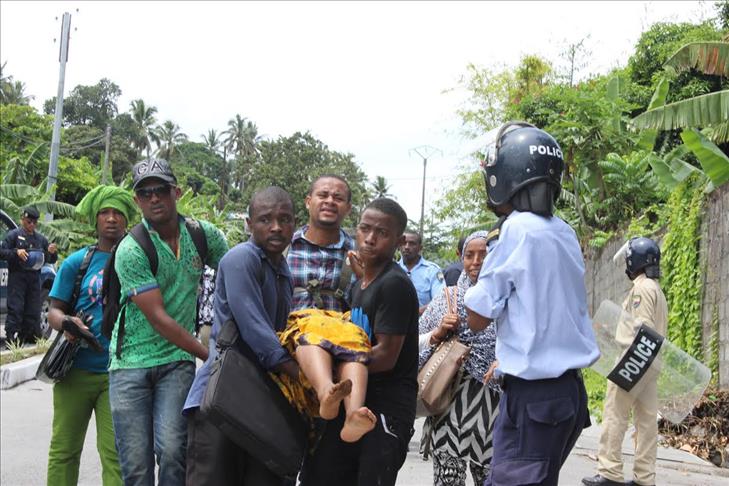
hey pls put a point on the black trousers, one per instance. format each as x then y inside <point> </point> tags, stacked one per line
<point>214,460</point>
<point>24,305</point>
<point>373,460</point>
<point>538,424</point>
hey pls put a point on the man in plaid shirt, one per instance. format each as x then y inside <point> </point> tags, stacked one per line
<point>318,250</point>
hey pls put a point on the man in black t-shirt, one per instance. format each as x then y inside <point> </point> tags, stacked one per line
<point>384,304</point>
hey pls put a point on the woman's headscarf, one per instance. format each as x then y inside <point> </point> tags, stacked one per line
<point>473,236</point>
<point>482,343</point>
<point>103,197</point>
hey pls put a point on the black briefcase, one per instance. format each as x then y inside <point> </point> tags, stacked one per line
<point>249,408</point>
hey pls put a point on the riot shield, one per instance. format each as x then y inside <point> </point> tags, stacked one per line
<point>646,365</point>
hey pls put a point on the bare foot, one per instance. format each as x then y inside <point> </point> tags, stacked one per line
<point>357,424</point>
<point>329,405</point>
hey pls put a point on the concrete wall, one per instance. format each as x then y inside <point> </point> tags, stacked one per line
<point>606,280</point>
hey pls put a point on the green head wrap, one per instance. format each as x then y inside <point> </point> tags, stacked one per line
<point>103,197</point>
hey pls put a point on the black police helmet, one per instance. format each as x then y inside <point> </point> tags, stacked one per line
<point>521,156</point>
<point>643,254</point>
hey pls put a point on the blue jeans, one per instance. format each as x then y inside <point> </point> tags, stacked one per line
<point>146,407</point>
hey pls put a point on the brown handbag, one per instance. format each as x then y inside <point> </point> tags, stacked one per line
<point>439,377</point>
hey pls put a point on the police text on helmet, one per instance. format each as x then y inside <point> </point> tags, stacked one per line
<point>546,150</point>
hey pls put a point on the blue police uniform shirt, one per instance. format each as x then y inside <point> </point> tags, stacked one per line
<point>89,301</point>
<point>427,279</point>
<point>532,285</point>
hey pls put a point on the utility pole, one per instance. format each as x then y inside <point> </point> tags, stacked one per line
<point>424,151</point>
<point>105,173</point>
<point>56,140</point>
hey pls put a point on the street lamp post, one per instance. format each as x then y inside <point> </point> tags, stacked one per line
<point>56,139</point>
<point>424,151</point>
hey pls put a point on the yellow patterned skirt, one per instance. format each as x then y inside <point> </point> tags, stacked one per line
<point>329,330</point>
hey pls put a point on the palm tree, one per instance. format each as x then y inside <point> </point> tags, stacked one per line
<point>12,92</point>
<point>242,140</point>
<point>213,140</point>
<point>144,120</point>
<point>380,188</point>
<point>167,136</point>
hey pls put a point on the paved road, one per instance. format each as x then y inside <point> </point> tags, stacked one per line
<point>25,423</point>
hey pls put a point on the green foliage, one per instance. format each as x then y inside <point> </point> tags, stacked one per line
<point>657,45</point>
<point>167,136</point>
<point>94,105</point>
<point>681,272</point>
<point>595,385</point>
<point>464,206</point>
<point>75,179</point>
<point>714,347</point>
<point>14,197</point>
<point>712,159</point>
<point>698,111</point>
<point>488,97</point>
<point>24,138</point>
<point>203,207</point>
<point>706,57</point>
<point>12,92</point>
<point>380,188</point>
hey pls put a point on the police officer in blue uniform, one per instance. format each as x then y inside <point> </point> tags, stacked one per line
<point>26,251</point>
<point>426,276</point>
<point>532,287</point>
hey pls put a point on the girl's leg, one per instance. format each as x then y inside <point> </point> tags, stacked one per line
<point>316,363</point>
<point>360,419</point>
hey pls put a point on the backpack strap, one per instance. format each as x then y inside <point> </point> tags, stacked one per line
<point>141,235</point>
<point>198,238</point>
<point>81,274</point>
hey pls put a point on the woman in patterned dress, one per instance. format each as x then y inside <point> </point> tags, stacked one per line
<point>462,435</point>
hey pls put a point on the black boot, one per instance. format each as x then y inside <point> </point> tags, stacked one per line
<point>598,480</point>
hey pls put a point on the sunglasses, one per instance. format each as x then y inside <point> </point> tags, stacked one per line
<point>146,193</point>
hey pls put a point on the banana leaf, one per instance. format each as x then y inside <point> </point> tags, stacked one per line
<point>700,111</point>
<point>707,57</point>
<point>714,162</point>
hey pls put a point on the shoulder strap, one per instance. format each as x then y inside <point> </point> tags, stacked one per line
<point>141,236</point>
<point>345,277</point>
<point>81,274</point>
<point>198,238</point>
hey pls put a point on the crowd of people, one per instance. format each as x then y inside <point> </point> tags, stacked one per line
<point>342,327</point>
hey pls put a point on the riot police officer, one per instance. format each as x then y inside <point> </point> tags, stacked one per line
<point>646,304</point>
<point>532,285</point>
<point>26,251</point>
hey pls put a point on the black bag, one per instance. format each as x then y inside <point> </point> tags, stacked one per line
<point>249,408</point>
<point>59,357</point>
<point>111,287</point>
<point>57,360</point>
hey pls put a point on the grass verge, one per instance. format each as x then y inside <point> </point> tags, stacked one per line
<point>17,352</point>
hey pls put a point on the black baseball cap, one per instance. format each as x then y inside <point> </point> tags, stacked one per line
<point>30,213</point>
<point>153,169</point>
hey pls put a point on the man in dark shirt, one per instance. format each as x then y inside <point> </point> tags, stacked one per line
<point>384,300</point>
<point>453,271</point>
<point>25,251</point>
<point>254,288</point>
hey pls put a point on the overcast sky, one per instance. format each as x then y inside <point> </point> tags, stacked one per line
<point>363,77</point>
